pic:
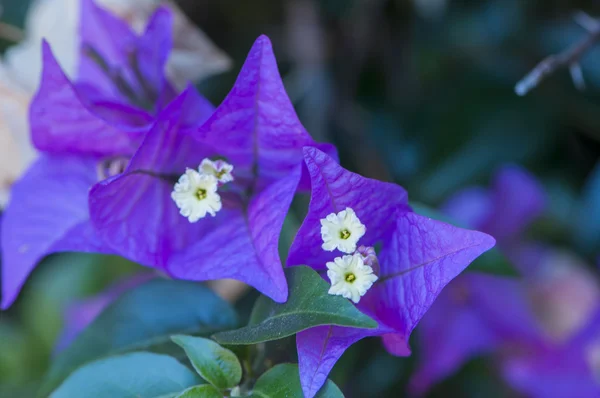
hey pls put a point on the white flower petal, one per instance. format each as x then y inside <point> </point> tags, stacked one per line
<point>219,169</point>
<point>196,195</point>
<point>341,231</point>
<point>340,268</point>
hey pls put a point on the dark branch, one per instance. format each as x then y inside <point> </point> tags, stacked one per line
<point>569,58</point>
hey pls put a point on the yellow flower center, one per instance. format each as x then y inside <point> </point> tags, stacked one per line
<point>344,234</point>
<point>201,194</point>
<point>350,277</point>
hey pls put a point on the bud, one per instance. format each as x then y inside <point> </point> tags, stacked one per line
<point>370,258</point>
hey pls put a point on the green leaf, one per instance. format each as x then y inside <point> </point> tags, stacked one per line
<point>144,319</point>
<point>217,365</point>
<point>308,305</point>
<point>17,354</point>
<point>490,262</point>
<point>140,374</point>
<point>59,280</point>
<point>203,391</point>
<point>284,381</point>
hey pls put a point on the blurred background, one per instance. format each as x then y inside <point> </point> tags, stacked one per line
<point>419,92</point>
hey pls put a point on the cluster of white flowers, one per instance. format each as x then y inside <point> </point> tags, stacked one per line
<point>195,194</point>
<point>351,275</point>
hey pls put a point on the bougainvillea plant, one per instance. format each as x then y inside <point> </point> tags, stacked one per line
<point>128,166</point>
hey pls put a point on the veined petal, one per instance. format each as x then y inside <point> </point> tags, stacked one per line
<point>47,213</point>
<point>420,258</point>
<point>256,126</point>
<point>120,115</point>
<point>153,49</point>
<point>319,348</point>
<point>169,147</point>
<point>333,190</point>
<point>112,39</point>
<point>266,214</point>
<point>120,206</point>
<point>166,94</point>
<point>61,123</point>
<point>244,244</point>
<point>139,61</point>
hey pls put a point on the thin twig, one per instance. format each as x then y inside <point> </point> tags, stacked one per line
<point>586,21</point>
<point>569,58</point>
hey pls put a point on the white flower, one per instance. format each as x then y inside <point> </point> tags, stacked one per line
<point>16,151</point>
<point>196,195</point>
<point>341,231</point>
<point>350,277</point>
<point>220,169</point>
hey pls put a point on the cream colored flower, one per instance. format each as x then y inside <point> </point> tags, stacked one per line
<point>341,231</point>
<point>220,169</point>
<point>196,195</point>
<point>350,277</point>
<point>16,151</point>
<point>564,294</point>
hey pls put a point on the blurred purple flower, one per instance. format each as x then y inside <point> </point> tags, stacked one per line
<point>85,131</point>
<point>564,297</point>
<point>119,90</point>
<point>504,211</point>
<point>419,256</point>
<point>539,328</point>
<point>80,314</point>
<point>257,131</point>
<point>119,65</point>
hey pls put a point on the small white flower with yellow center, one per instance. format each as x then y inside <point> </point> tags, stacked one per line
<point>350,277</point>
<point>220,169</point>
<point>196,195</point>
<point>341,231</point>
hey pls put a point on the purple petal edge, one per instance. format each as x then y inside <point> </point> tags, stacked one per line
<point>334,189</point>
<point>47,213</point>
<point>256,127</point>
<point>61,123</point>
<point>419,259</point>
